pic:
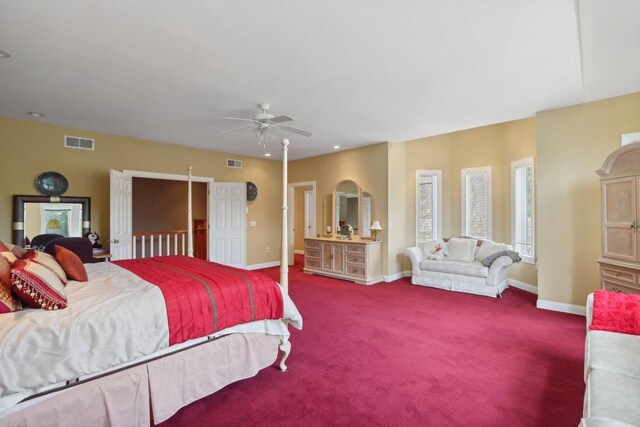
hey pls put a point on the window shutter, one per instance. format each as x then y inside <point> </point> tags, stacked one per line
<point>426,205</point>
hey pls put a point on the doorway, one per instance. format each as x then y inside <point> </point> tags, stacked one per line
<point>302,216</point>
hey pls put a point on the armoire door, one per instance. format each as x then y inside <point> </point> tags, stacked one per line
<point>619,210</point>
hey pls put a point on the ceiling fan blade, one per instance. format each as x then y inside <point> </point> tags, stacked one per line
<point>294,130</point>
<point>234,129</point>
<point>281,119</point>
<point>238,118</point>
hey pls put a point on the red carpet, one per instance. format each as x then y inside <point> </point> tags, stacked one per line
<point>395,354</point>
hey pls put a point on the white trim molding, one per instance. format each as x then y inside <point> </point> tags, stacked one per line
<point>263,265</point>
<point>167,176</point>
<point>396,276</point>
<point>562,307</point>
<point>524,286</point>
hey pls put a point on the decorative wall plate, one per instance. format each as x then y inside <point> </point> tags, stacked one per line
<point>252,191</point>
<point>51,184</point>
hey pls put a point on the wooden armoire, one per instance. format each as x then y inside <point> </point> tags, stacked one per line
<point>620,196</point>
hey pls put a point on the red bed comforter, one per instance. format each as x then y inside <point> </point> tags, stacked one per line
<point>203,297</point>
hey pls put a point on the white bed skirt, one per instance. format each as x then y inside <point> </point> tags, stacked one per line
<point>164,386</point>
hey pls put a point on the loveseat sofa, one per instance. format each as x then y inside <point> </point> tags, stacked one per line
<point>612,377</point>
<point>457,265</point>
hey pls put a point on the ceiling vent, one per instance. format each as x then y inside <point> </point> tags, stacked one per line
<point>79,143</point>
<point>237,164</point>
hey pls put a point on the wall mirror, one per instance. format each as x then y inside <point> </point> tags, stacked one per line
<point>34,215</point>
<point>347,207</point>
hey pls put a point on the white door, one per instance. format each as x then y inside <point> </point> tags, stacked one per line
<point>120,226</point>
<point>309,214</point>
<point>227,236</point>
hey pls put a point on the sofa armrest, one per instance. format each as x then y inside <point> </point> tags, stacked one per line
<point>415,255</point>
<point>498,270</point>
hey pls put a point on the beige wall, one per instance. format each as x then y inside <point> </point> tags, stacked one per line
<point>367,166</point>
<point>29,149</point>
<point>495,146</point>
<point>572,143</point>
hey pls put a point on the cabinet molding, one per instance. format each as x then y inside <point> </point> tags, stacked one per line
<point>359,261</point>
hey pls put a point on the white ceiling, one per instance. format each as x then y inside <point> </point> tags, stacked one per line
<point>352,72</point>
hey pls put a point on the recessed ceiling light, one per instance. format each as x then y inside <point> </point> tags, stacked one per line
<point>4,54</point>
<point>335,147</point>
<point>267,154</point>
<point>34,114</point>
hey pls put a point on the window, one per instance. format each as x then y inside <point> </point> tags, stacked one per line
<point>476,202</point>
<point>428,205</point>
<point>522,209</point>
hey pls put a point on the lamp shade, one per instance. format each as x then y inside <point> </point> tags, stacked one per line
<point>376,225</point>
<point>54,224</point>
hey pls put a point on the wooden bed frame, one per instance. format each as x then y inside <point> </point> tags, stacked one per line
<point>92,394</point>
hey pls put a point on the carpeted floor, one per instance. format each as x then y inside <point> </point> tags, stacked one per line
<point>394,354</point>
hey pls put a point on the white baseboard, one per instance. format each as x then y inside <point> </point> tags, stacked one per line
<point>396,276</point>
<point>562,307</point>
<point>263,265</point>
<point>522,285</point>
<point>298,251</point>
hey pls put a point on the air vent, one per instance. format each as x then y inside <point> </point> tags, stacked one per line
<point>234,163</point>
<point>79,143</point>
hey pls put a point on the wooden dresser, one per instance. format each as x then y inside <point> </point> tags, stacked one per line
<point>356,260</point>
<point>620,203</point>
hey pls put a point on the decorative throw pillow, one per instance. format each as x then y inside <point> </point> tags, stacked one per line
<point>489,247</point>
<point>428,247</point>
<point>8,301</point>
<point>18,251</point>
<point>6,253</point>
<point>461,249</point>
<point>71,264</point>
<point>616,312</point>
<point>48,261</point>
<point>37,286</point>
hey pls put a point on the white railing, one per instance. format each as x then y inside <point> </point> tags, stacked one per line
<point>158,243</point>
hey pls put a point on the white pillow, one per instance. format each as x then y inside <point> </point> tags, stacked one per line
<point>489,247</point>
<point>461,249</point>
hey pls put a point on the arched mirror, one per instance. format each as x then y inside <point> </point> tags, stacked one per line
<point>347,208</point>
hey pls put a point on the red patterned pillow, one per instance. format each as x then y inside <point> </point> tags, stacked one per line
<point>616,312</point>
<point>48,261</point>
<point>71,264</point>
<point>8,301</point>
<point>6,252</point>
<point>37,286</point>
<point>18,251</point>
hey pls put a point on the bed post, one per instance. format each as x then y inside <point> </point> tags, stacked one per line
<point>189,215</point>
<point>284,253</point>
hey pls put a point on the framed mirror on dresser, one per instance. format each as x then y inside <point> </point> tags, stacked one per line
<point>37,215</point>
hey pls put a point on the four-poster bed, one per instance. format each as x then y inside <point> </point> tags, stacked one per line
<point>96,373</point>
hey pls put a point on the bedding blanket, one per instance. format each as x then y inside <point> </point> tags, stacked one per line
<point>202,297</point>
<point>118,317</point>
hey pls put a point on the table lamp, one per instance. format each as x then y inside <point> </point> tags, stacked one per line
<point>375,227</point>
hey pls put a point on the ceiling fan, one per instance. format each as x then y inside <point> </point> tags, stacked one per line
<point>263,122</point>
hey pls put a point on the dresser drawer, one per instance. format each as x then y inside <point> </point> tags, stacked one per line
<point>311,244</point>
<point>355,249</point>
<point>355,259</point>
<point>618,274</point>
<point>312,253</point>
<point>354,270</point>
<point>312,263</point>
<point>612,286</point>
